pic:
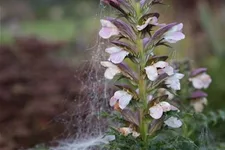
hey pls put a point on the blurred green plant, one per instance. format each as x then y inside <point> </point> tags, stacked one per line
<point>213,27</point>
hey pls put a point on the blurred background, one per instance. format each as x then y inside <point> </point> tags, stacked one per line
<point>44,43</point>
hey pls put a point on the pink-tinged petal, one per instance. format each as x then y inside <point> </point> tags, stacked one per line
<point>151,20</point>
<point>174,84</point>
<point>156,111</point>
<point>118,57</point>
<point>174,108</point>
<point>107,64</point>
<point>174,37</point>
<point>161,64</point>
<point>112,101</point>
<point>173,122</point>
<point>108,29</point>
<point>111,70</point>
<point>105,33</point>
<point>141,27</point>
<point>201,81</point>
<point>110,73</point>
<point>119,94</point>
<point>174,81</point>
<point>149,98</point>
<point>124,100</point>
<point>178,75</point>
<point>112,50</point>
<point>151,72</point>
<point>198,84</point>
<point>169,70</point>
<point>165,106</point>
<point>176,28</point>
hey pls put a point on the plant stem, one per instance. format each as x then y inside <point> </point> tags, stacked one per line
<point>142,82</point>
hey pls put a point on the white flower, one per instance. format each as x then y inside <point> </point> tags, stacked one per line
<point>123,97</point>
<point>165,106</point>
<point>152,21</point>
<point>201,81</point>
<point>108,29</point>
<point>157,110</point>
<point>158,68</point>
<point>199,104</point>
<point>117,55</point>
<point>174,34</point>
<point>173,122</point>
<point>174,81</point>
<point>111,70</point>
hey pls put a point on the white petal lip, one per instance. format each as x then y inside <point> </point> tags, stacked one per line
<point>165,106</point>
<point>174,81</point>
<point>174,34</point>
<point>161,64</point>
<point>176,28</point>
<point>112,50</point>
<point>156,111</point>
<point>111,70</point>
<point>174,108</point>
<point>141,27</point>
<point>117,55</point>
<point>151,20</point>
<point>123,97</point>
<point>174,37</point>
<point>112,101</point>
<point>151,72</point>
<point>173,122</point>
<point>108,29</point>
<point>169,70</point>
<point>201,81</point>
<point>124,100</point>
<point>110,73</point>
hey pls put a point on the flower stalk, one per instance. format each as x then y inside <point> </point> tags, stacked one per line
<point>134,35</point>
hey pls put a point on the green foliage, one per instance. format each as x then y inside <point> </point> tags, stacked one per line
<point>164,140</point>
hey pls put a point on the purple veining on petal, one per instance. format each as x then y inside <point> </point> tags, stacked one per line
<point>143,2</point>
<point>126,5</point>
<point>146,16</point>
<point>159,58</point>
<point>198,71</point>
<point>163,30</point>
<point>145,41</point>
<point>131,116</point>
<point>124,67</point>
<point>123,27</point>
<point>198,94</point>
<point>124,45</point>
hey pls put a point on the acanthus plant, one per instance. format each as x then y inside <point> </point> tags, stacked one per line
<point>138,73</point>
